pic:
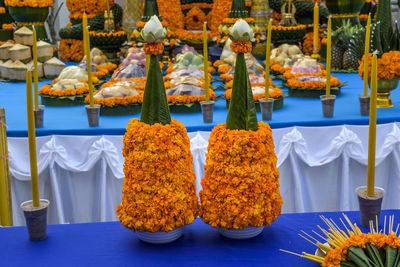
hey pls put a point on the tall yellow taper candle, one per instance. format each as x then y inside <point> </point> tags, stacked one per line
<point>35,70</point>
<point>372,129</point>
<point>205,58</point>
<point>32,141</point>
<point>316,28</point>
<point>84,25</point>
<point>268,59</point>
<point>147,64</point>
<point>88,59</point>
<point>366,55</point>
<point>328,59</point>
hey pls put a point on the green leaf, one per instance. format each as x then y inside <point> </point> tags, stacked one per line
<point>391,255</point>
<point>397,262</point>
<point>242,110</point>
<point>357,255</point>
<point>155,106</point>
<point>374,255</point>
<point>347,264</point>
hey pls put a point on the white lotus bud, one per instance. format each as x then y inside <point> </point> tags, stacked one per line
<point>153,31</point>
<point>241,31</point>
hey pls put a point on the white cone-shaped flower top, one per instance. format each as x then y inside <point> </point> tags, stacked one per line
<point>153,31</point>
<point>241,31</point>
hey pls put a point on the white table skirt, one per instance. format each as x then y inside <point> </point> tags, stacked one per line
<point>319,170</point>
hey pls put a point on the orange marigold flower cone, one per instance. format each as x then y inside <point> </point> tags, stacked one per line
<point>241,183</point>
<point>159,192</point>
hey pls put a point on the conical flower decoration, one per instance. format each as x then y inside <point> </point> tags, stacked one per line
<point>238,9</point>
<point>242,110</point>
<point>236,195</point>
<point>155,105</point>
<point>150,9</point>
<point>159,192</point>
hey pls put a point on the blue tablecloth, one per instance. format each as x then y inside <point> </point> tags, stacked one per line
<point>109,244</point>
<point>297,111</point>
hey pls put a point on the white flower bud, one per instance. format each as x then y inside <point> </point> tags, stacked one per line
<point>241,31</point>
<point>153,31</point>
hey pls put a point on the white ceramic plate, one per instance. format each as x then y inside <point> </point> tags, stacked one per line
<point>161,237</point>
<point>246,233</point>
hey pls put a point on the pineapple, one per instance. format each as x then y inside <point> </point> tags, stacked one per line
<point>350,60</point>
<point>356,50</point>
<point>342,58</point>
<point>337,57</point>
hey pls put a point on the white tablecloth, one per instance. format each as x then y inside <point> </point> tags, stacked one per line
<point>320,168</point>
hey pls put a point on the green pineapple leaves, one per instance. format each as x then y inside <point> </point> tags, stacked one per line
<point>242,110</point>
<point>155,106</point>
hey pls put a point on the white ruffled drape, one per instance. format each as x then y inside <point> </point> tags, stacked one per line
<point>320,168</point>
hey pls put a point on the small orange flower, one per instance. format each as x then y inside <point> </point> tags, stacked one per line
<point>153,48</point>
<point>241,47</point>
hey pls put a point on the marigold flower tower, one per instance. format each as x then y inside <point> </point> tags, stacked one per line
<point>159,192</point>
<point>71,44</point>
<point>240,192</point>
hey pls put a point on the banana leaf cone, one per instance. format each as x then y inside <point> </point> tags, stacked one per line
<point>384,15</point>
<point>238,9</point>
<point>150,9</point>
<point>155,105</point>
<point>242,110</point>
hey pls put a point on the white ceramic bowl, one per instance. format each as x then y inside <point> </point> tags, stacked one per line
<point>161,237</point>
<point>246,233</point>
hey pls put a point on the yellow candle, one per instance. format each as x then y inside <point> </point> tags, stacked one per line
<point>328,59</point>
<point>147,64</point>
<point>32,141</point>
<point>366,54</point>
<point>88,59</point>
<point>35,70</point>
<point>205,57</point>
<point>372,129</point>
<point>267,59</point>
<point>316,27</point>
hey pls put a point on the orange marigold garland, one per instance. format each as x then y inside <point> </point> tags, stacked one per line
<point>171,13</point>
<point>273,93</point>
<point>220,11</point>
<point>241,47</point>
<point>388,66</point>
<point>159,192</point>
<point>189,99</point>
<point>153,48</point>
<point>49,91</point>
<point>116,101</point>
<point>195,19</point>
<point>71,50</point>
<point>29,3</point>
<point>91,7</point>
<point>321,84</point>
<point>241,183</point>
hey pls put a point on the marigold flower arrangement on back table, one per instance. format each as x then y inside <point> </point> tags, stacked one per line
<point>241,185</point>
<point>159,192</point>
